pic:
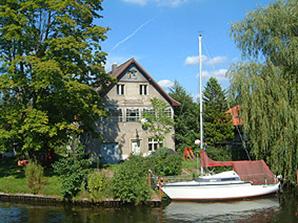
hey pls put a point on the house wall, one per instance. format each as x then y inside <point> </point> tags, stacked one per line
<point>123,133</point>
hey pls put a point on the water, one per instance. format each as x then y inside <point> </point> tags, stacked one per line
<point>272,209</point>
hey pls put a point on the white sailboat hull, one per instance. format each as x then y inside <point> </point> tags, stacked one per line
<point>225,191</point>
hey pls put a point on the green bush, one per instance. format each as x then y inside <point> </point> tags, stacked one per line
<point>129,182</point>
<point>97,184</point>
<point>35,177</point>
<point>165,162</point>
<point>72,171</point>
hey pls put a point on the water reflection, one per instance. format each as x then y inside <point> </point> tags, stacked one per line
<point>218,212</point>
<point>284,209</point>
<point>11,213</point>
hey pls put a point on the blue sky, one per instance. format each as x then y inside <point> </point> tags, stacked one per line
<point>162,35</point>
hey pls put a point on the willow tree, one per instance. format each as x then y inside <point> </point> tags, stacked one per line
<point>51,63</point>
<point>266,86</point>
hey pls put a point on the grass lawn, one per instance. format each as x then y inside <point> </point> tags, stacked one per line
<point>13,180</point>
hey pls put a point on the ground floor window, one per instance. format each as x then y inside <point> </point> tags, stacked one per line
<point>154,144</point>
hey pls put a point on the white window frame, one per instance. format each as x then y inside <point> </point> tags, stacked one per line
<point>143,89</point>
<point>120,89</point>
<point>153,144</point>
<point>149,111</point>
<point>134,118</point>
<point>168,112</point>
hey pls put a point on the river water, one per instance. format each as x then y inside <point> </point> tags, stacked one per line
<point>283,208</point>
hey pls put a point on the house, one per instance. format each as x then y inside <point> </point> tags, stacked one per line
<point>127,99</point>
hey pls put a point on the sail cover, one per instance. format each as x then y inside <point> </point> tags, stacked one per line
<point>255,171</point>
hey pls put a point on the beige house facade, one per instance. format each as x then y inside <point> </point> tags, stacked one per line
<point>127,99</point>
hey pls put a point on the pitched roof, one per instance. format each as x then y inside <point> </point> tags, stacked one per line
<point>119,71</point>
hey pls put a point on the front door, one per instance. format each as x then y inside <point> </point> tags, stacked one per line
<point>135,147</point>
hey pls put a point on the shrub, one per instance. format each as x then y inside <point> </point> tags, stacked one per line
<point>130,181</point>
<point>35,178</point>
<point>165,162</point>
<point>72,170</point>
<point>97,185</point>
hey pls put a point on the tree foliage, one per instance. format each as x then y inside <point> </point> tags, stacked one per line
<point>130,183</point>
<point>218,127</point>
<point>35,177</point>
<point>165,162</point>
<point>51,63</point>
<point>267,86</point>
<point>186,119</point>
<point>158,121</point>
<point>72,169</point>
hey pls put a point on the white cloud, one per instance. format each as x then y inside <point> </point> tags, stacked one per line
<point>137,2</point>
<point>166,3</point>
<point>219,74</point>
<point>165,84</point>
<point>192,60</point>
<point>170,3</point>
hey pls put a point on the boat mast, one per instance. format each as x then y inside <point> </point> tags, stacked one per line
<point>201,101</point>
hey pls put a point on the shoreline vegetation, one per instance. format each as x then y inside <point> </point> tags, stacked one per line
<point>109,186</point>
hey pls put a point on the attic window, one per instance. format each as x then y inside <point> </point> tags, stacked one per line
<point>132,74</point>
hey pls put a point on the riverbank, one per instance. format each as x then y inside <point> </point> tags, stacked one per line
<point>275,209</point>
<point>55,200</point>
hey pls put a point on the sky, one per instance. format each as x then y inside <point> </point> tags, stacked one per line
<point>162,35</point>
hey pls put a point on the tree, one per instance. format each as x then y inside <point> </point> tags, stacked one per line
<point>266,86</point>
<point>186,117</point>
<point>218,127</point>
<point>51,63</point>
<point>158,121</point>
<point>72,169</point>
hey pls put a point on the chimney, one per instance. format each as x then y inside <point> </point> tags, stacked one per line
<point>114,66</point>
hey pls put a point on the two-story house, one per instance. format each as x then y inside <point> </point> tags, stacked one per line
<point>127,99</point>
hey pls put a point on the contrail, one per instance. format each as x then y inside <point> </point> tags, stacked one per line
<point>132,34</point>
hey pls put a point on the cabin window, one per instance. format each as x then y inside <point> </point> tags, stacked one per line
<point>153,144</point>
<point>132,115</point>
<point>120,89</point>
<point>143,89</point>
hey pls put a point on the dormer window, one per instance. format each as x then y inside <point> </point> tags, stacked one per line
<point>143,89</point>
<point>120,89</point>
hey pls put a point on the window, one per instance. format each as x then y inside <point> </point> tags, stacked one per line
<point>148,111</point>
<point>143,89</point>
<point>132,74</point>
<point>153,144</point>
<point>168,112</point>
<point>116,114</point>
<point>132,115</point>
<point>120,89</point>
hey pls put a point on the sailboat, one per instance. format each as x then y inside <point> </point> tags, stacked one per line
<point>247,179</point>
